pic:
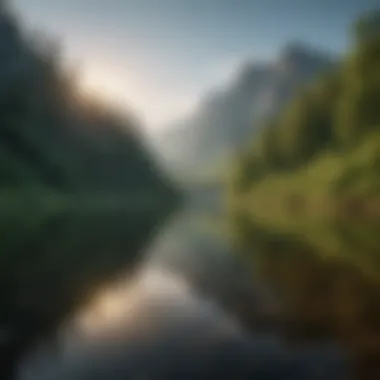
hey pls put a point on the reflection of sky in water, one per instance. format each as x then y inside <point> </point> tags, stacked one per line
<point>153,288</point>
<point>157,327</point>
<point>157,308</point>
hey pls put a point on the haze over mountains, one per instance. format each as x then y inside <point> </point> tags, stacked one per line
<point>198,145</point>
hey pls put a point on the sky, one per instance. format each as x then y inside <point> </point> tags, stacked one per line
<point>158,57</point>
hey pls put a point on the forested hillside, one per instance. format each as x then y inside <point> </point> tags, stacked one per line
<point>327,139</point>
<point>54,137</point>
<point>304,205</point>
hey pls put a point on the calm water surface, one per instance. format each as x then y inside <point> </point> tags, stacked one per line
<point>191,311</point>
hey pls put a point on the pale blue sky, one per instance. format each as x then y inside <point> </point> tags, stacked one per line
<point>161,55</point>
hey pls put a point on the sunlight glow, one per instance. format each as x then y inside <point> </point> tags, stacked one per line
<point>120,303</point>
<point>108,307</point>
<point>128,91</point>
<point>109,86</point>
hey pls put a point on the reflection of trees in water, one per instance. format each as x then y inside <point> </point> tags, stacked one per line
<point>214,272</point>
<point>48,271</point>
<point>361,242</point>
<point>322,294</point>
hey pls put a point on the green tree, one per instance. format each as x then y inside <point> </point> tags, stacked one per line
<point>358,109</point>
<point>305,128</point>
<point>267,146</point>
<point>367,27</point>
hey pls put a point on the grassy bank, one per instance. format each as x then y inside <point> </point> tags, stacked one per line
<point>344,185</point>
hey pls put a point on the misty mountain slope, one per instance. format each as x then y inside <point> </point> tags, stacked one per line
<point>226,118</point>
<point>54,136</point>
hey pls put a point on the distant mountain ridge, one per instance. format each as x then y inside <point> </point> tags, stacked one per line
<point>226,118</point>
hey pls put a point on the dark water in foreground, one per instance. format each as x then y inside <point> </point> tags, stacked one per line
<point>190,312</point>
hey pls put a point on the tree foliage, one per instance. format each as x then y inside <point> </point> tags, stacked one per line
<point>54,137</point>
<point>333,113</point>
<point>367,27</point>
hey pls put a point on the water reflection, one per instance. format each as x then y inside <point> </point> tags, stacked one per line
<point>327,280</point>
<point>180,317</point>
<point>52,262</point>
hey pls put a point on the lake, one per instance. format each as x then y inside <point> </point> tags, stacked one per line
<point>191,310</point>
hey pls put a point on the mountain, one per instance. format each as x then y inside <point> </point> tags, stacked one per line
<point>53,136</point>
<point>199,144</point>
